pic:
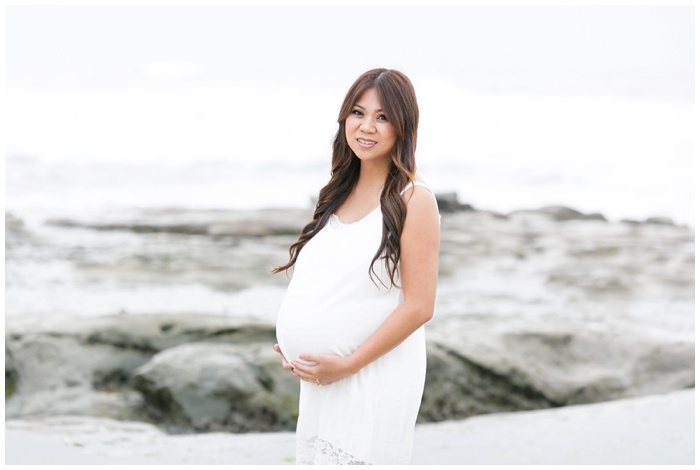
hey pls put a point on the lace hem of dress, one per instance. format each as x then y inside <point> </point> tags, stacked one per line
<point>317,451</point>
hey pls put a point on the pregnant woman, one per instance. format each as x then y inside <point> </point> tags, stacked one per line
<point>364,280</point>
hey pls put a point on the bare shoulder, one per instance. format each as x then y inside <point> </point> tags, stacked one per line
<point>417,195</point>
<point>421,207</point>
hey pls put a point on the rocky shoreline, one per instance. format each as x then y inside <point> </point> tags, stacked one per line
<point>536,309</point>
<point>215,373</point>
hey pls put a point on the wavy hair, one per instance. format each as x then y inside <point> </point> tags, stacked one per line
<point>399,104</point>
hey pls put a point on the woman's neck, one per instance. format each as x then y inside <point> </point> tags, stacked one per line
<point>373,175</point>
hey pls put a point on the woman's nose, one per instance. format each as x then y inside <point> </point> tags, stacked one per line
<point>367,125</point>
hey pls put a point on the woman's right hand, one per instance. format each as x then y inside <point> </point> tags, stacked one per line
<point>285,364</point>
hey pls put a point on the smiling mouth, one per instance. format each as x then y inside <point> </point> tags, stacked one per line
<point>366,143</point>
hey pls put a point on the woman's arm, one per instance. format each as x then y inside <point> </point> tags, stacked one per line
<point>420,246</point>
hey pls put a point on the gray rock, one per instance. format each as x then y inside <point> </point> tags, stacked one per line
<point>17,236</point>
<point>215,387</point>
<point>630,221</point>
<point>207,372</point>
<point>10,374</point>
<point>659,221</point>
<point>150,333</point>
<point>458,386</point>
<point>525,265</point>
<point>605,279</point>
<point>260,223</point>
<point>485,369</point>
<point>58,375</point>
<point>448,202</point>
<point>13,223</point>
<point>84,367</point>
<point>561,213</point>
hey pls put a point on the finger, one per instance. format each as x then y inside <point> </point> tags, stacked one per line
<point>313,359</point>
<point>304,368</point>
<point>310,357</point>
<point>304,376</point>
<point>312,379</point>
<point>285,364</point>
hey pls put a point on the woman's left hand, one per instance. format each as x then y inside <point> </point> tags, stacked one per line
<point>329,368</point>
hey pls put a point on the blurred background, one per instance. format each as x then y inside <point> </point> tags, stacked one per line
<point>160,160</point>
<point>113,112</point>
<point>235,107</point>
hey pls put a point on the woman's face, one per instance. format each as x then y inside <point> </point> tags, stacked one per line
<point>367,130</point>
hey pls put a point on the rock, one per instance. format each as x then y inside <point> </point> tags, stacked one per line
<point>561,213</point>
<point>447,202</point>
<point>246,228</point>
<point>84,367</point>
<point>525,265</point>
<point>659,221</point>
<point>152,333</point>
<point>13,223</point>
<point>457,386</point>
<point>258,223</point>
<point>215,387</point>
<point>494,214</point>
<point>209,373</point>
<point>595,216</point>
<point>188,229</point>
<point>58,375</point>
<point>17,236</point>
<point>10,375</point>
<point>255,228</point>
<point>483,369</point>
<point>592,279</point>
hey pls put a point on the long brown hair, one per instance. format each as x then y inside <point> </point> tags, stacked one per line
<point>399,104</point>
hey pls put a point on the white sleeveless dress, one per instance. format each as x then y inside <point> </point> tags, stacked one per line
<point>331,307</point>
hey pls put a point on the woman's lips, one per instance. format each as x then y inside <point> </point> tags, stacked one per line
<point>366,143</point>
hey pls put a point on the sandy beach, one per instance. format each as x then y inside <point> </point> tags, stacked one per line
<point>655,429</point>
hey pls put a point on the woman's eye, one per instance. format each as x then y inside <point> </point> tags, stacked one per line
<point>381,117</point>
<point>356,112</point>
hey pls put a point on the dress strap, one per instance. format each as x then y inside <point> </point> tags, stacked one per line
<point>416,183</point>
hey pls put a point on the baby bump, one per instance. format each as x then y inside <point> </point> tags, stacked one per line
<point>305,330</point>
<point>294,342</point>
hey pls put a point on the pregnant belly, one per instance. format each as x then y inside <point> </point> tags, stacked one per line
<point>293,343</point>
<point>328,332</point>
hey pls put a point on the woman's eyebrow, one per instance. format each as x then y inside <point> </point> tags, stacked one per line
<point>362,108</point>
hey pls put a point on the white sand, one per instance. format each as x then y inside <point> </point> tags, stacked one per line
<point>656,429</point>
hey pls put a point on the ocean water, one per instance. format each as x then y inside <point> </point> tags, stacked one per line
<point>240,111</point>
<point>89,154</point>
<point>622,156</point>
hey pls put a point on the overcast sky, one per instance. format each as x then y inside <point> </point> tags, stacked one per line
<point>130,46</point>
<point>550,93</point>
